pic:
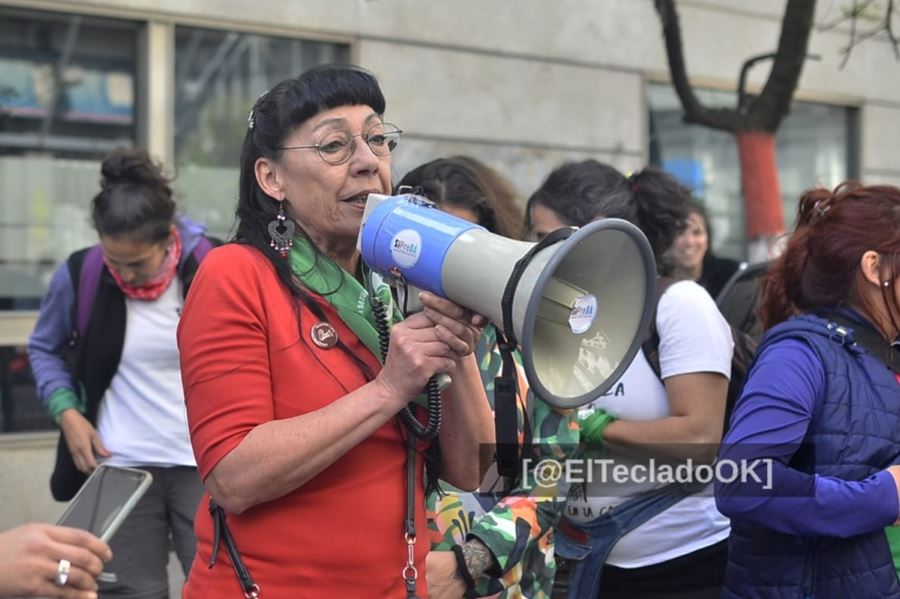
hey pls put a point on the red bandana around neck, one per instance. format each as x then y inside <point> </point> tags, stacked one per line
<point>159,282</point>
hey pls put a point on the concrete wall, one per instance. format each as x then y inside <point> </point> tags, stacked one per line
<point>529,83</point>
<point>26,460</point>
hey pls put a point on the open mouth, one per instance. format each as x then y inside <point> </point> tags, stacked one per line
<point>357,200</point>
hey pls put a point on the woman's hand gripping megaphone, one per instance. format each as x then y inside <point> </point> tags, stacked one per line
<point>429,342</point>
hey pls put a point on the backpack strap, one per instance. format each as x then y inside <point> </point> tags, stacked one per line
<point>85,269</point>
<point>190,263</point>
<point>650,346</point>
<point>202,248</point>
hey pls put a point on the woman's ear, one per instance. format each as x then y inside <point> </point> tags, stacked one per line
<point>870,266</point>
<point>269,178</point>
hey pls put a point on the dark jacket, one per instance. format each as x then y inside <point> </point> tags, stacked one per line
<point>716,273</point>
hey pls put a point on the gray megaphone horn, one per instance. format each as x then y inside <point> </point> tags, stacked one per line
<point>578,308</point>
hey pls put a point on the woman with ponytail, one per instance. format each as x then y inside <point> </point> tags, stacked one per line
<point>309,444</point>
<point>645,537</point>
<point>821,409</point>
<point>105,360</point>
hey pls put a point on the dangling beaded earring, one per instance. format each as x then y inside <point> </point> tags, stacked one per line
<point>887,283</point>
<point>281,230</point>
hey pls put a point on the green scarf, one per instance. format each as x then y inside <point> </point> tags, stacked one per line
<point>323,276</point>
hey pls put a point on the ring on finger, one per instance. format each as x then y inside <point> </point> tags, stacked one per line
<point>62,572</point>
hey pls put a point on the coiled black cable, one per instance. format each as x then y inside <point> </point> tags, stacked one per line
<point>433,425</point>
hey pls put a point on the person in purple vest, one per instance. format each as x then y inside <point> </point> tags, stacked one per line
<point>105,360</point>
<point>816,431</point>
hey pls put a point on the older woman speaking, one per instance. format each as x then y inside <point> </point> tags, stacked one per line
<point>315,488</point>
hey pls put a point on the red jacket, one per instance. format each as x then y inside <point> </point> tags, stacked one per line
<point>245,360</point>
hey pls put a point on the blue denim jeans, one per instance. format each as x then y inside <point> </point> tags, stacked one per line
<point>603,533</point>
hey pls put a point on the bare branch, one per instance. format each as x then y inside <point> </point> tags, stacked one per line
<point>854,15</point>
<point>889,27</point>
<point>742,79</point>
<point>857,10</point>
<point>694,110</point>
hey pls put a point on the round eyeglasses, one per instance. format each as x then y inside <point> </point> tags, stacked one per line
<point>337,147</point>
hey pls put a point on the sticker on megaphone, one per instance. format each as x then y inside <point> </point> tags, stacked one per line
<point>584,310</point>
<point>406,246</point>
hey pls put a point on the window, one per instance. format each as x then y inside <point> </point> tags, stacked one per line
<point>218,76</point>
<point>816,145</point>
<point>66,98</point>
<point>20,407</point>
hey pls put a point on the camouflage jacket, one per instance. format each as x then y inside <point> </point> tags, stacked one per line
<point>517,526</point>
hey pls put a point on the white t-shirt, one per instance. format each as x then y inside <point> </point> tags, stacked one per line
<point>142,419</point>
<point>694,337</point>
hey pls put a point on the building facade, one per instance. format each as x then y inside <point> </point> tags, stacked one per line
<point>522,85</point>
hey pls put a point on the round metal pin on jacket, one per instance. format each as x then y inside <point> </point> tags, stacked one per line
<point>324,335</point>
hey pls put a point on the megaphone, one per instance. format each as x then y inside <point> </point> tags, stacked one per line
<point>578,308</point>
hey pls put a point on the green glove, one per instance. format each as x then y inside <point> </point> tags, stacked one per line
<point>592,427</point>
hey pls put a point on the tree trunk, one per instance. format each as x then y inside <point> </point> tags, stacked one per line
<point>761,190</point>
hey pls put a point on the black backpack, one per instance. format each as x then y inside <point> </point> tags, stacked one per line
<point>744,352</point>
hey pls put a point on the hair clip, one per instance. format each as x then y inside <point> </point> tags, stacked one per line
<point>822,207</point>
<point>632,182</point>
<point>251,121</point>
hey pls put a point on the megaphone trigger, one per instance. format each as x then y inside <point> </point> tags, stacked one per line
<point>408,298</point>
